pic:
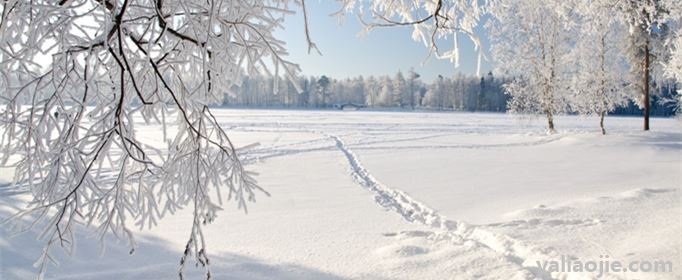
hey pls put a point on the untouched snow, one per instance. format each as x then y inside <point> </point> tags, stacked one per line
<point>395,195</point>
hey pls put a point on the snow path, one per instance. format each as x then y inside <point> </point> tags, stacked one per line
<point>276,151</point>
<point>516,251</point>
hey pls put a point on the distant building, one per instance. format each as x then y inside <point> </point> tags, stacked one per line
<point>348,106</point>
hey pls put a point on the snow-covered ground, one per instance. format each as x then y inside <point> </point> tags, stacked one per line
<point>396,195</point>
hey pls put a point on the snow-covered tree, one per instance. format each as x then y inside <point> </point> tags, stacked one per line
<point>529,42</point>
<point>77,76</point>
<point>438,89</point>
<point>384,98</point>
<point>467,89</point>
<point>358,88</point>
<point>371,91</point>
<point>413,85</point>
<point>600,62</point>
<point>673,67</point>
<point>323,89</point>
<point>400,89</point>
<point>647,20</point>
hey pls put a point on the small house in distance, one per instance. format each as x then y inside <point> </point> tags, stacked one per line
<point>348,106</point>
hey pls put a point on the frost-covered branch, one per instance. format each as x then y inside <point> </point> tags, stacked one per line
<point>79,80</point>
<point>434,22</point>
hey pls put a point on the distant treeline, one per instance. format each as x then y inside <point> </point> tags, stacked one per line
<point>402,91</point>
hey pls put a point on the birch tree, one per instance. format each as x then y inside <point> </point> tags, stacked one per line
<point>600,62</point>
<point>529,41</point>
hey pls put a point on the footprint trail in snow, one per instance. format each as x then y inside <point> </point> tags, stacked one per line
<point>517,252</point>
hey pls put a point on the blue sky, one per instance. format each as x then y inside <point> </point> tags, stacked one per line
<point>383,51</point>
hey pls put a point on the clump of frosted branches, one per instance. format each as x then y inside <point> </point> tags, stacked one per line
<point>79,78</point>
<point>434,22</point>
<point>673,68</point>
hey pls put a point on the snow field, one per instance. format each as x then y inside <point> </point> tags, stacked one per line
<point>391,195</point>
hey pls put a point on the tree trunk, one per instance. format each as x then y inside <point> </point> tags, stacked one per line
<point>550,122</point>
<point>601,123</point>
<point>646,86</point>
<point>602,89</point>
<point>411,95</point>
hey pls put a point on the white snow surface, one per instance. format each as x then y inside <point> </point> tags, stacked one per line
<point>410,195</point>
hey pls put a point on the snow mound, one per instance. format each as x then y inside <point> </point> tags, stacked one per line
<point>400,251</point>
<point>640,224</point>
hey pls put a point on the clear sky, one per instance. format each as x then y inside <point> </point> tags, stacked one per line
<point>384,51</point>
